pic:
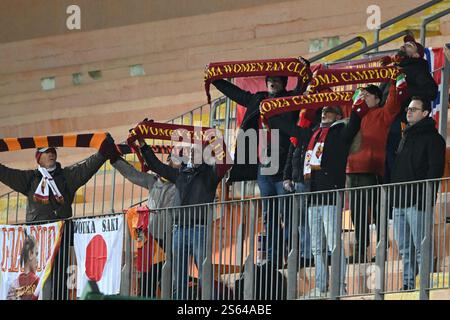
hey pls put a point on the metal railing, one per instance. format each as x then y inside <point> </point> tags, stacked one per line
<point>427,20</point>
<point>296,246</point>
<point>376,45</point>
<point>401,17</point>
<point>341,46</point>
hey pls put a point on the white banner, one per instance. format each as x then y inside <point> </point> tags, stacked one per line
<point>98,246</point>
<point>26,256</point>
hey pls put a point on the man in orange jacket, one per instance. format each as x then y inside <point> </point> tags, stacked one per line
<point>365,164</point>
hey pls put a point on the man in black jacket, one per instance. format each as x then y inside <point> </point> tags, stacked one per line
<point>49,200</point>
<point>293,179</point>
<point>324,167</point>
<point>420,156</point>
<point>56,201</point>
<point>419,79</point>
<point>269,185</point>
<point>196,184</point>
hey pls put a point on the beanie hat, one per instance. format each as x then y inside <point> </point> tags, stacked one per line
<point>40,151</point>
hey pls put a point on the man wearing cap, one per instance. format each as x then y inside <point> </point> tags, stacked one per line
<point>324,168</point>
<point>366,160</point>
<point>269,185</point>
<point>50,189</point>
<point>420,156</point>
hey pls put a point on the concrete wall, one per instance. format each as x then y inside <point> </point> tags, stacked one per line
<point>173,47</point>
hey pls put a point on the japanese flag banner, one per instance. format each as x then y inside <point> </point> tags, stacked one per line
<point>27,253</point>
<point>98,246</point>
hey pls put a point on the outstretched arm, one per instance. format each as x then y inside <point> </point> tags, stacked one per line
<point>157,166</point>
<point>137,177</point>
<point>354,124</point>
<point>80,173</point>
<point>18,180</point>
<point>233,92</point>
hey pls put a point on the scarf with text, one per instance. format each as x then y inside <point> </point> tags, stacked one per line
<point>177,133</point>
<point>271,107</point>
<point>328,78</point>
<point>313,156</point>
<point>290,67</point>
<point>47,183</point>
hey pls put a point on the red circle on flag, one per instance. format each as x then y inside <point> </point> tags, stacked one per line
<point>96,255</point>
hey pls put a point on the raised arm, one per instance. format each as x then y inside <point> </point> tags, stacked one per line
<point>18,180</point>
<point>233,92</point>
<point>354,124</point>
<point>80,173</point>
<point>137,177</point>
<point>157,166</point>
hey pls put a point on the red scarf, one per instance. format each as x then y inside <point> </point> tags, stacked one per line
<point>190,134</point>
<point>340,77</point>
<point>289,67</point>
<point>271,107</point>
<point>313,157</point>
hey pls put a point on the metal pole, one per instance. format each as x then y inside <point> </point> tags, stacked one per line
<point>207,279</point>
<point>113,189</point>
<point>249,273</point>
<point>380,260</point>
<point>336,254</point>
<point>376,38</point>
<point>444,99</point>
<point>426,21</point>
<point>426,250</point>
<point>126,269</point>
<point>292,283</point>
<point>166,271</point>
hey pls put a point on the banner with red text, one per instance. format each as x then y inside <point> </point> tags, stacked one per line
<point>24,272</point>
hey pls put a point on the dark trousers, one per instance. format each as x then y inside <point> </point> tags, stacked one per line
<point>274,210</point>
<point>364,209</point>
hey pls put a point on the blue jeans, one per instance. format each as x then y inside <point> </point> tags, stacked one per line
<point>303,229</point>
<point>272,209</point>
<point>408,225</point>
<point>187,242</point>
<point>322,224</point>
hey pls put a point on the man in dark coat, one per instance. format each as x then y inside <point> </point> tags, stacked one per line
<point>420,82</point>
<point>50,191</point>
<point>196,184</point>
<point>269,185</point>
<point>420,156</point>
<point>324,167</point>
<point>54,203</point>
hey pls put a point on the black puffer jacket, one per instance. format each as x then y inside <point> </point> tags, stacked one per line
<point>420,156</point>
<point>335,153</point>
<point>194,186</point>
<point>293,170</point>
<point>285,122</point>
<point>67,179</point>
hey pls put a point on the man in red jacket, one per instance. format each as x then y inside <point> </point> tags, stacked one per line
<point>365,164</point>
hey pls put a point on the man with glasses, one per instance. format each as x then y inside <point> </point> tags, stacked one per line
<point>420,155</point>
